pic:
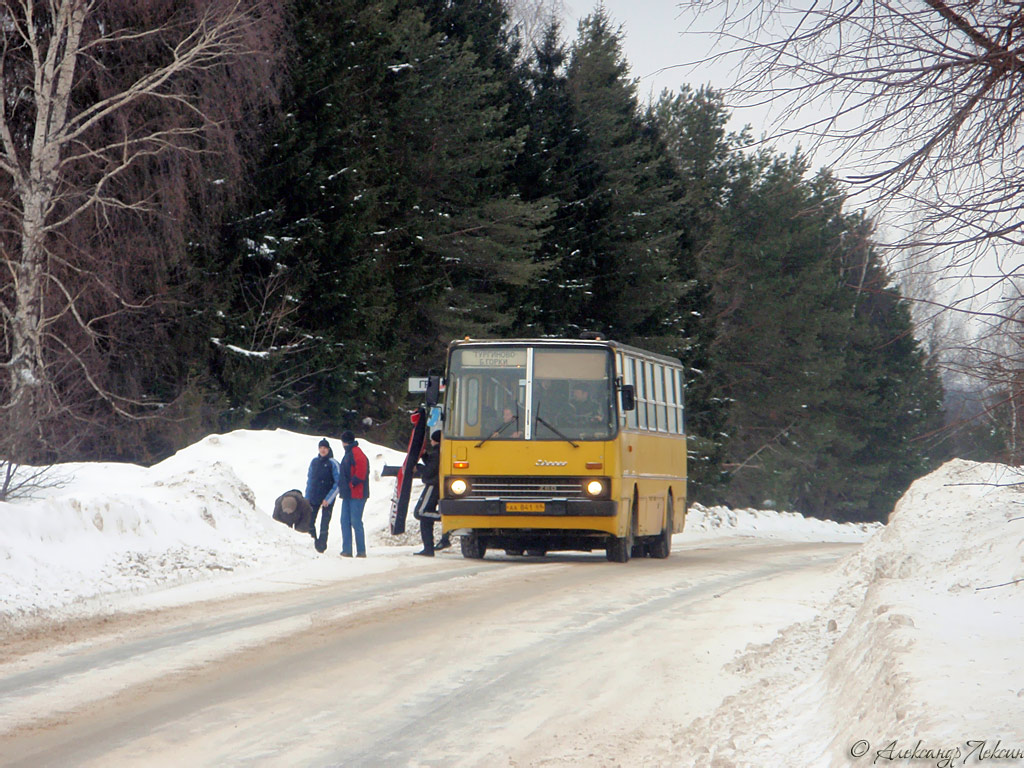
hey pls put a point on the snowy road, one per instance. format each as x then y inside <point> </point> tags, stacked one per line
<point>560,661</point>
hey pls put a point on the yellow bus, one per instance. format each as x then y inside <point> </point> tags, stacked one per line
<point>560,444</point>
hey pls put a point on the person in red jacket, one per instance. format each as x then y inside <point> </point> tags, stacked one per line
<point>354,489</point>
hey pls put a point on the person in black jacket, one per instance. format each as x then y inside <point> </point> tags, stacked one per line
<point>321,490</point>
<point>426,508</point>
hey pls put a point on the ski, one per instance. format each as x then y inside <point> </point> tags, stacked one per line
<point>404,473</point>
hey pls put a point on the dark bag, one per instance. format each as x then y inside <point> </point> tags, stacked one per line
<point>292,509</point>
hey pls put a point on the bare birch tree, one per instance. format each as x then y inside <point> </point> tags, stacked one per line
<point>923,95</point>
<point>100,97</point>
<point>993,361</point>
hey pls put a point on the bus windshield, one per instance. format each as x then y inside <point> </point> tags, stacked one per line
<point>569,392</point>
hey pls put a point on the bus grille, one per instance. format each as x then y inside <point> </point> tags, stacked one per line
<point>525,487</point>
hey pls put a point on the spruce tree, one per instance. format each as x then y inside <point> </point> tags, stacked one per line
<point>705,158</point>
<point>609,247</point>
<point>386,203</point>
<point>828,390</point>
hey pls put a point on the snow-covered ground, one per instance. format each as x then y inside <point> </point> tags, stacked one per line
<point>111,537</point>
<point>920,648</point>
<point>917,658</point>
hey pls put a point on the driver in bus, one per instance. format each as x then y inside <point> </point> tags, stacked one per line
<point>583,409</point>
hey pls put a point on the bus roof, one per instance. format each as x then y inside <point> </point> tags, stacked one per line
<point>553,342</point>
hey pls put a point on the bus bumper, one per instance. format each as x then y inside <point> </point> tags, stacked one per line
<point>559,508</point>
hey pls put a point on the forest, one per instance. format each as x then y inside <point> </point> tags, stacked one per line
<point>271,213</point>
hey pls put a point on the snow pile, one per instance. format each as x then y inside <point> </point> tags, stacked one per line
<point>769,524</point>
<point>206,511</point>
<point>914,659</point>
<point>916,656</point>
<point>203,518</point>
<point>933,650</point>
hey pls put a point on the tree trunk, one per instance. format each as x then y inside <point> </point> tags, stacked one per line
<point>54,68</point>
<point>27,368</point>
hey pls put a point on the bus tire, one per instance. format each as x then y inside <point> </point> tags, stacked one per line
<point>661,545</point>
<point>536,552</point>
<point>472,547</point>
<point>619,550</point>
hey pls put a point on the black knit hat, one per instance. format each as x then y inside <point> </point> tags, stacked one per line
<point>347,437</point>
<point>324,444</point>
<point>436,436</point>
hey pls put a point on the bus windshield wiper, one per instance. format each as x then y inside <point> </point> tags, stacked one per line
<point>537,419</point>
<point>500,429</point>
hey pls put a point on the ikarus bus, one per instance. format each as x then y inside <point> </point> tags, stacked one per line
<point>561,444</point>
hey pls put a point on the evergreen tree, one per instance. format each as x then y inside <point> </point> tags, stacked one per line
<point>706,158</point>
<point>617,257</point>
<point>827,386</point>
<point>612,236</point>
<point>543,169</point>
<point>386,201</point>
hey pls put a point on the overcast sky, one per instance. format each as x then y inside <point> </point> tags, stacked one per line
<point>654,44</point>
<point>660,44</point>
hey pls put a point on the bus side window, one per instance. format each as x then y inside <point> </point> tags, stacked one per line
<point>641,394</point>
<point>659,388</point>
<point>677,422</point>
<point>680,402</point>
<point>652,416</point>
<point>670,396</point>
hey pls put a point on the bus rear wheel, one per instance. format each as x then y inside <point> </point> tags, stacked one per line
<point>472,547</point>
<point>661,545</point>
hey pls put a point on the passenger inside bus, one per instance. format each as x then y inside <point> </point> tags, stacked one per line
<point>508,427</point>
<point>551,392</point>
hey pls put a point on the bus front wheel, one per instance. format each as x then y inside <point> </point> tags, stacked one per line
<point>472,547</point>
<point>619,550</point>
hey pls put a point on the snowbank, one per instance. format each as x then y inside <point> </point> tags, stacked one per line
<point>202,518</point>
<point>920,649</point>
<point>791,526</point>
<point>204,512</point>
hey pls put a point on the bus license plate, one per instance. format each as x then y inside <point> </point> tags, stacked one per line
<point>524,506</point>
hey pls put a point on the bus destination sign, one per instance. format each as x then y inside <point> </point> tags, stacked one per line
<point>494,357</point>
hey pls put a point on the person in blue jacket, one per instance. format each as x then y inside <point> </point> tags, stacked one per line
<point>321,490</point>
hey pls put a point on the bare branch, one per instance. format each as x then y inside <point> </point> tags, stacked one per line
<point>212,40</point>
<point>1004,584</point>
<point>96,96</point>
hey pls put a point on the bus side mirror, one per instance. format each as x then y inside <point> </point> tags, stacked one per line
<point>627,394</point>
<point>433,393</point>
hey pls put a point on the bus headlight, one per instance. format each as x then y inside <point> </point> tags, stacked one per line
<point>594,488</point>
<point>458,487</point>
